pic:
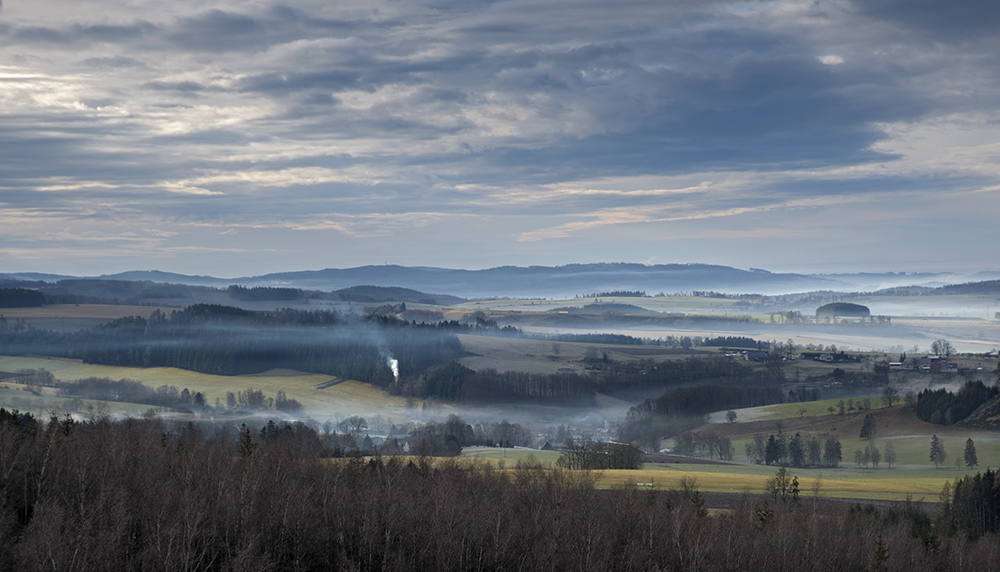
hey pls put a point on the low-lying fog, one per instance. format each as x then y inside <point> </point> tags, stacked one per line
<point>892,340</point>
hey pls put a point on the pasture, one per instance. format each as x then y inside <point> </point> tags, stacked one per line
<point>343,398</point>
<point>910,437</point>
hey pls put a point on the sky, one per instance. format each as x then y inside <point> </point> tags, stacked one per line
<point>241,137</point>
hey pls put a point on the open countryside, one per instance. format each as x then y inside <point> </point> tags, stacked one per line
<point>710,407</point>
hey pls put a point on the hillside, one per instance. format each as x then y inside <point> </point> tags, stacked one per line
<point>987,416</point>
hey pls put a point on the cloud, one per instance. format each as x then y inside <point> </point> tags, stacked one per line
<point>956,21</point>
<point>375,121</point>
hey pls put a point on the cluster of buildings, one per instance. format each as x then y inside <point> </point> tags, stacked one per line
<point>926,364</point>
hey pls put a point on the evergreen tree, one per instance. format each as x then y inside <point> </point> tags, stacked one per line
<point>796,451</point>
<point>938,454</point>
<point>868,427</point>
<point>772,454</point>
<point>971,460</point>
<point>815,451</point>
<point>832,454</point>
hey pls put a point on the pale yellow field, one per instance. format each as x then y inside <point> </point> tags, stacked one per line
<point>100,311</point>
<point>348,397</point>
<point>844,482</point>
<point>833,483</point>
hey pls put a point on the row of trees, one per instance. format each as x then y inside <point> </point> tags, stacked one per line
<point>705,443</point>
<point>263,293</point>
<point>799,451</point>
<point>251,399</point>
<point>130,391</point>
<point>583,454</point>
<point>870,455</point>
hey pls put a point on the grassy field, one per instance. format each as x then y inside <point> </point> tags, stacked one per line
<point>911,474</point>
<point>899,425</point>
<point>845,482</point>
<point>346,398</point>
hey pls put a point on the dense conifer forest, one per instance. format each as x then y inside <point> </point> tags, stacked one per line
<point>943,407</point>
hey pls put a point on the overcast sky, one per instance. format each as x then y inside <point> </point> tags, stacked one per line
<point>242,137</point>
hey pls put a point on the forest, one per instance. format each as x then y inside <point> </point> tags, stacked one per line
<point>20,298</point>
<point>225,340</point>
<point>455,382</point>
<point>135,494</point>
<point>943,407</point>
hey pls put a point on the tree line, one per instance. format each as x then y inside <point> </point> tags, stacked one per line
<point>799,451</point>
<point>584,454</point>
<point>704,443</point>
<point>136,494</point>
<point>20,298</point>
<point>615,294</point>
<point>455,382</point>
<point>225,340</point>
<point>263,293</point>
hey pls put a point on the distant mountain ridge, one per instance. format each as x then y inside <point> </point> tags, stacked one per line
<point>554,281</point>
